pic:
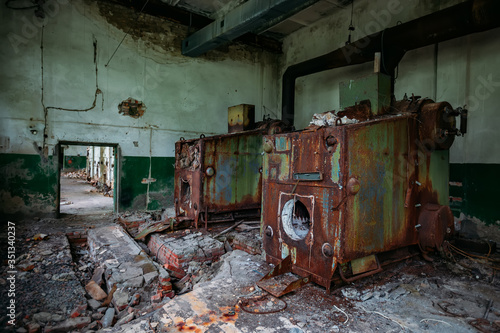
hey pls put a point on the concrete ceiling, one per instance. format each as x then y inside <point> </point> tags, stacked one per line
<point>214,9</point>
<point>200,13</point>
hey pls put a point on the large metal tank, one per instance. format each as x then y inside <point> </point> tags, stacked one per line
<point>219,178</point>
<point>340,195</point>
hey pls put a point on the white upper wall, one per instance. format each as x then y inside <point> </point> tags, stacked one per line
<point>184,96</point>
<point>468,71</point>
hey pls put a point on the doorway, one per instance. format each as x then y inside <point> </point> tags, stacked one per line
<point>88,179</point>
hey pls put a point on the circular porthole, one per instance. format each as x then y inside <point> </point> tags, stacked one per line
<point>295,219</point>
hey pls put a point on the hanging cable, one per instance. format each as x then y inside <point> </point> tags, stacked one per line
<point>351,27</point>
<point>140,12</point>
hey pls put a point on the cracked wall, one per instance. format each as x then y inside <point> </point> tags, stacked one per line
<point>61,83</point>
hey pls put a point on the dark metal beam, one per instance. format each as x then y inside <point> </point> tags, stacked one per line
<point>194,21</point>
<point>253,15</point>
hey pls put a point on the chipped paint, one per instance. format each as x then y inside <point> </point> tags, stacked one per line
<point>336,166</point>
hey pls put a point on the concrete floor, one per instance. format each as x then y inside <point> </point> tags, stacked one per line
<point>80,198</point>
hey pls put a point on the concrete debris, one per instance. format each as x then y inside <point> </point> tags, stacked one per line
<point>150,277</point>
<point>248,242</point>
<point>69,324</point>
<point>42,317</point>
<point>129,274</point>
<point>330,119</point>
<point>120,299</point>
<point>107,320</point>
<point>125,319</point>
<point>139,222</point>
<point>97,277</point>
<point>176,251</point>
<point>136,282</point>
<point>206,287</point>
<point>93,304</point>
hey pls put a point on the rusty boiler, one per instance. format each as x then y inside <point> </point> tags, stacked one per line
<point>219,178</point>
<point>345,195</point>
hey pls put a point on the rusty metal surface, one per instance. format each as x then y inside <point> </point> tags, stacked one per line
<point>280,281</point>
<point>219,177</point>
<point>376,176</point>
<point>435,223</point>
<point>240,118</point>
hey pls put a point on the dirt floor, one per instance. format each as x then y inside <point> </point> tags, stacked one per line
<point>460,293</point>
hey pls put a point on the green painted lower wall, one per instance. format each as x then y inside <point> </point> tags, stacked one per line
<point>133,193</point>
<point>75,162</point>
<point>479,190</point>
<point>28,185</point>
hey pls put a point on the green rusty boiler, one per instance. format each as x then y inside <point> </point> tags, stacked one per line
<point>348,193</point>
<point>219,178</point>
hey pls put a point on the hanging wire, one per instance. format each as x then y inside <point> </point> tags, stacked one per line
<point>351,26</point>
<point>140,12</point>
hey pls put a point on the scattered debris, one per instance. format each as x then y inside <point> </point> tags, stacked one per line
<point>329,118</point>
<point>216,291</point>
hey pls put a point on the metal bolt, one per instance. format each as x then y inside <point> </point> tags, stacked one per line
<point>418,205</point>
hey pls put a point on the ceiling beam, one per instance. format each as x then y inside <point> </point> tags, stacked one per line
<point>252,16</point>
<point>181,16</point>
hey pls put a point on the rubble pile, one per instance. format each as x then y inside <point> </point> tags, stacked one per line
<point>48,293</point>
<point>250,242</point>
<point>80,174</point>
<point>100,187</point>
<point>126,283</point>
<point>140,224</point>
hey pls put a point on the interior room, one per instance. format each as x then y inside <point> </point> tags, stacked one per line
<point>250,166</point>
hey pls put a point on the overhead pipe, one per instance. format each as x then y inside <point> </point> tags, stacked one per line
<point>456,21</point>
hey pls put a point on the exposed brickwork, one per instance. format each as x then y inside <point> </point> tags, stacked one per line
<point>78,237</point>
<point>249,243</point>
<point>176,253</point>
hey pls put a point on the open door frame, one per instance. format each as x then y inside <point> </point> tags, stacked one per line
<point>116,173</point>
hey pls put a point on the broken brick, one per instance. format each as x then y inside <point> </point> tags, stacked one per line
<point>174,271</point>
<point>78,310</point>
<point>95,291</point>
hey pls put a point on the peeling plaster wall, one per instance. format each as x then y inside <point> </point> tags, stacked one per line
<point>71,47</point>
<point>462,71</point>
